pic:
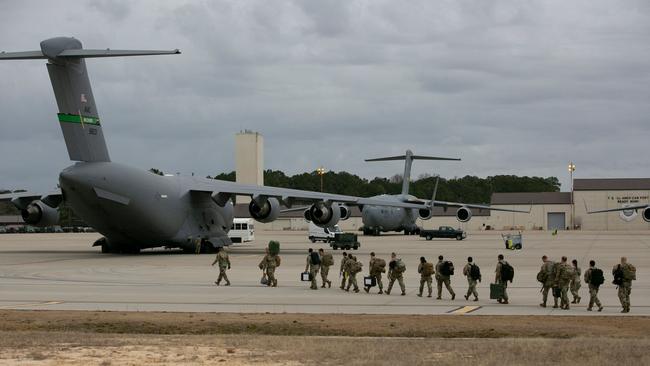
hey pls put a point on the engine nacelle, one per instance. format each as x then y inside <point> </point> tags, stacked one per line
<point>463,214</point>
<point>266,211</point>
<point>646,214</point>
<point>345,212</point>
<point>323,215</point>
<point>39,214</point>
<point>425,213</point>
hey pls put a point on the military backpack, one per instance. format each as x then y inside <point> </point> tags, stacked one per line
<point>618,275</point>
<point>278,261</point>
<point>507,272</point>
<point>597,277</point>
<point>447,268</point>
<point>542,276</point>
<point>380,263</point>
<point>427,269</point>
<point>314,258</point>
<point>475,272</point>
<point>629,272</point>
<point>400,267</point>
<point>356,267</point>
<point>327,259</point>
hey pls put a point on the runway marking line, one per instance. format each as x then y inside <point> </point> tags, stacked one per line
<point>462,310</point>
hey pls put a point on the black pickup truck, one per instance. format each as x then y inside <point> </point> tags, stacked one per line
<point>443,232</point>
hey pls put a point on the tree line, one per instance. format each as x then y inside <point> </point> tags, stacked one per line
<point>470,189</point>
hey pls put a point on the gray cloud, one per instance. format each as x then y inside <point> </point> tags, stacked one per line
<point>512,87</point>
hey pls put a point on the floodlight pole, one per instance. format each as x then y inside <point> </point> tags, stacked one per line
<point>572,168</point>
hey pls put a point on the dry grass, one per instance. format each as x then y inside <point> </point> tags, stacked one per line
<point>115,338</point>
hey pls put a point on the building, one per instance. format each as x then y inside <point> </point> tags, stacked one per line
<point>249,160</point>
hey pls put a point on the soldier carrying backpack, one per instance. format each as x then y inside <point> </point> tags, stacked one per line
<point>473,274</point>
<point>326,261</point>
<point>624,274</point>
<point>396,269</point>
<point>376,267</point>
<point>594,278</point>
<point>503,273</point>
<point>425,269</point>
<point>444,271</point>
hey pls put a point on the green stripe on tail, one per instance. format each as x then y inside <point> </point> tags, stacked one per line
<point>75,118</point>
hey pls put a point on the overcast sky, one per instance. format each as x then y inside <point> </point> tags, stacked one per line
<point>511,87</point>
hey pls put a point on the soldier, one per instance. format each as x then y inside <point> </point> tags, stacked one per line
<point>594,283</point>
<point>396,270</point>
<point>267,265</point>
<point>500,279</point>
<point>352,267</point>
<point>624,274</point>
<point>313,266</point>
<point>326,260</point>
<point>546,276</point>
<point>575,282</point>
<point>426,271</point>
<point>563,277</point>
<point>444,276</point>
<point>471,281</point>
<point>375,269</point>
<point>342,270</point>
<point>224,264</point>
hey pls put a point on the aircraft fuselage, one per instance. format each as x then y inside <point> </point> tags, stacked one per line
<point>134,208</point>
<point>382,219</point>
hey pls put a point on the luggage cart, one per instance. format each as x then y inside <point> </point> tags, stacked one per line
<point>512,241</point>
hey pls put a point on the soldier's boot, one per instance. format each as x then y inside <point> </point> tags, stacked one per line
<point>466,297</point>
<point>476,299</point>
<point>216,283</point>
<point>420,294</point>
<point>381,292</point>
<point>429,295</point>
<point>505,302</point>
<point>329,284</point>
<point>227,283</point>
<point>387,292</point>
<point>323,285</point>
<point>579,298</point>
<point>453,295</point>
<point>542,304</point>
<point>275,283</point>
<point>403,293</point>
<point>589,308</point>
<point>366,289</point>
<point>600,308</point>
<point>356,290</point>
<point>555,304</point>
<point>574,301</point>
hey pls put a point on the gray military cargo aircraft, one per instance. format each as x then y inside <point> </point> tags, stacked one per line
<point>134,208</point>
<point>377,219</point>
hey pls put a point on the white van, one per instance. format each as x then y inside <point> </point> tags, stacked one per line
<point>242,230</point>
<point>317,233</point>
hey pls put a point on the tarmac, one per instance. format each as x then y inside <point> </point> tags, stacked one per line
<point>63,272</point>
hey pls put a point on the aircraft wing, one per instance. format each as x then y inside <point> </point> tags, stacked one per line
<point>635,207</point>
<point>222,190</point>
<point>22,199</point>
<point>470,205</point>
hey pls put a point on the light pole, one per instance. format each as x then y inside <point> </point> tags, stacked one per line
<point>572,168</point>
<point>321,171</point>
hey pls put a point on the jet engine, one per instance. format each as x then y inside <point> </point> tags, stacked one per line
<point>646,214</point>
<point>345,212</point>
<point>425,213</point>
<point>463,214</point>
<point>325,216</point>
<point>38,213</point>
<point>265,211</point>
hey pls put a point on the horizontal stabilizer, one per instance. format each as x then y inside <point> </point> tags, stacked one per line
<point>83,53</point>
<point>414,157</point>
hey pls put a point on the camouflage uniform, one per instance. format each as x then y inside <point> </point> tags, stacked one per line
<point>224,264</point>
<point>268,264</point>
<point>562,280</point>
<point>393,275</point>
<point>625,288</point>
<point>575,285</point>
<point>324,271</point>
<point>593,291</point>
<point>440,279</point>
<point>501,281</point>
<point>352,276</point>
<point>424,279</point>
<point>342,272</point>
<point>471,290</point>
<point>375,272</point>
<point>548,271</point>
<point>313,272</point>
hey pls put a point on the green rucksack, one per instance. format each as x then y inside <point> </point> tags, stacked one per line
<point>400,267</point>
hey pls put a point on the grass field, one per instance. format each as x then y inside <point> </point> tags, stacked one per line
<point>116,338</point>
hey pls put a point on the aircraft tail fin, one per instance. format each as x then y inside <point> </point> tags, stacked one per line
<point>78,114</point>
<point>408,161</point>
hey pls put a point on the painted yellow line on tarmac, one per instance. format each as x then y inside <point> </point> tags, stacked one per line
<point>465,310</point>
